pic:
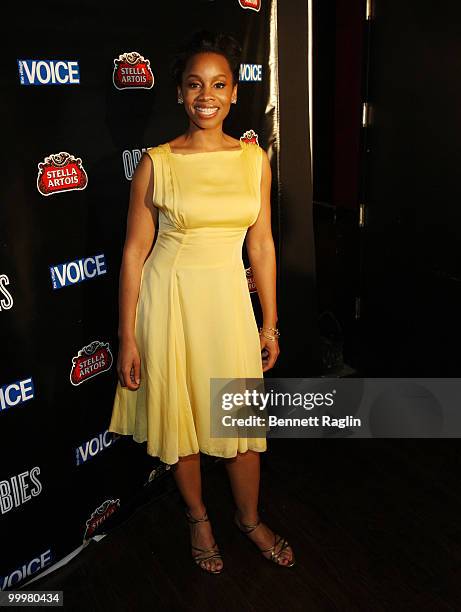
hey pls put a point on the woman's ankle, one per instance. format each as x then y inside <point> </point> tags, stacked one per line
<point>196,511</point>
<point>249,517</point>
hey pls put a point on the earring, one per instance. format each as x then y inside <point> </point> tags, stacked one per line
<point>180,99</point>
<point>234,101</point>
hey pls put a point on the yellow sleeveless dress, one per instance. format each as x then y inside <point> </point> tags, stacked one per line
<point>194,315</point>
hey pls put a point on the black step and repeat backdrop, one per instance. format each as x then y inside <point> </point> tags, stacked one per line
<point>85,90</point>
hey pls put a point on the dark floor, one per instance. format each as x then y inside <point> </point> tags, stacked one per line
<point>374,525</point>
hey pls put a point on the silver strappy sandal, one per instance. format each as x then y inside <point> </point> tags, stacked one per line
<point>279,542</point>
<point>209,553</point>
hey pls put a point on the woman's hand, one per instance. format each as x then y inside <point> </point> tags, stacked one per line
<point>129,364</point>
<point>269,352</point>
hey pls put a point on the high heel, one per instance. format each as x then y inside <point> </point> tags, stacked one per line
<point>213,551</point>
<point>279,541</point>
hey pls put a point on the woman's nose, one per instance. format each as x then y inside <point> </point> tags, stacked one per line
<point>207,92</point>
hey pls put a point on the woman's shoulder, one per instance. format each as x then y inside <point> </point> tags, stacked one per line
<point>157,149</point>
<point>253,145</point>
<point>255,151</point>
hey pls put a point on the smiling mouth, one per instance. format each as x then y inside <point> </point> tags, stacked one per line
<point>206,111</point>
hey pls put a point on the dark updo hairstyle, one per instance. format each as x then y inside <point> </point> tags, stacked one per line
<point>202,41</point>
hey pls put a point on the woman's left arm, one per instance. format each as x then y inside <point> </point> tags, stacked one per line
<point>261,254</point>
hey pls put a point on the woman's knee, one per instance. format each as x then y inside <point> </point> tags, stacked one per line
<point>185,459</point>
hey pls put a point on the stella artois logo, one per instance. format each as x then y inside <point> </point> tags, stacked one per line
<point>132,71</point>
<point>99,516</point>
<point>61,172</point>
<point>90,361</point>
<point>254,5</point>
<point>250,280</point>
<point>250,136</point>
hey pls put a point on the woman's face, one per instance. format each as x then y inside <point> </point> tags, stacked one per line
<point>207,89</point>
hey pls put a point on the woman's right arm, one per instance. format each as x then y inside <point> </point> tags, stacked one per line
<point>140,233</point>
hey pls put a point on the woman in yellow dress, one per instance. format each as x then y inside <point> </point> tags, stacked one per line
<point>185,313</point>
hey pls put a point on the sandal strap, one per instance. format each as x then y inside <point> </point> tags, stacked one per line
<point>250,528</point>
<point>212,549</point>
<point>275,556</point>
<point>247,528</point>
<point>277,539</point>
<point>208,553</point>
<point>191,519</point>
<point>215,555</point>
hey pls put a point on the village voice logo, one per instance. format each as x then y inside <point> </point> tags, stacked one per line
<point>61,172</point>
<point>92,447</point>
<point>48,72</point>
<point>250,73</point>
<point>77,271</point>
<point>16,393</point>
<point>132,71</point>
<point>28,567</point>
<point>90,361</point>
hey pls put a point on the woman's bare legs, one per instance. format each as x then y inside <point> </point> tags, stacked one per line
<point>244,476</point>
<point>187,475</point>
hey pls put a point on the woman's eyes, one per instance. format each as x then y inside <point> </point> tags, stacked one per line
<point>219,83</point>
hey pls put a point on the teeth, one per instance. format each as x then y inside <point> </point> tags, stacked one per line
<point>206,111</point>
